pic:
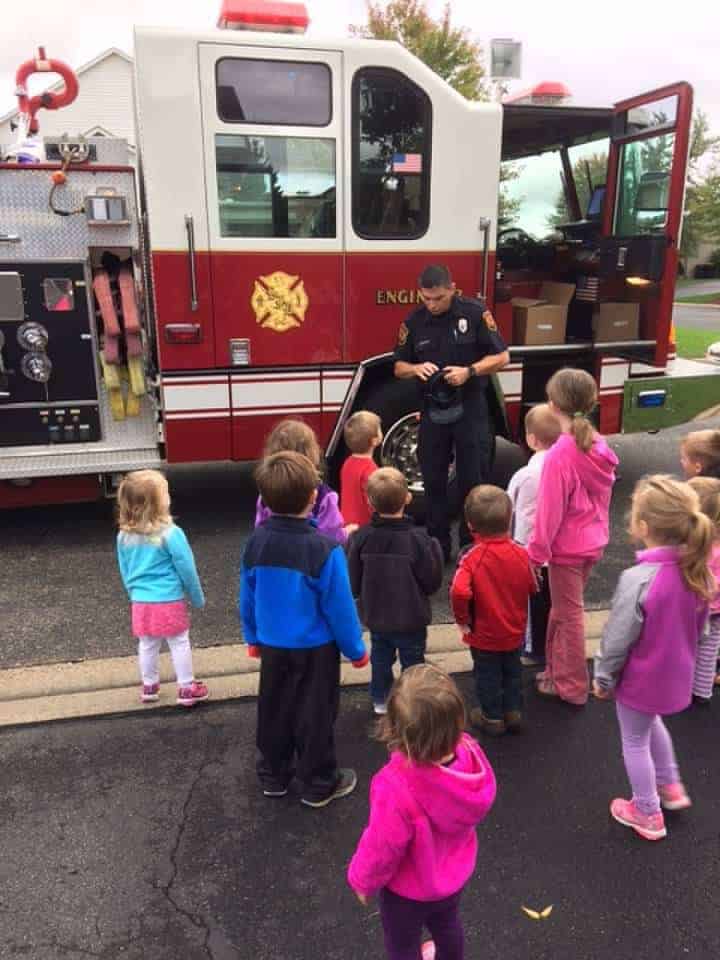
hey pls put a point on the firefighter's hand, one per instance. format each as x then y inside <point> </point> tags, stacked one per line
<point>423,371</point>
<point>456,376</point>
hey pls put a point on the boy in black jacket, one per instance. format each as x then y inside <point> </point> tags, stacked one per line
<point>394,569</point>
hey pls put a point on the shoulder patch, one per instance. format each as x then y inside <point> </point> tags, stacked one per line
<point>490,322</point>
<point>402,334</point>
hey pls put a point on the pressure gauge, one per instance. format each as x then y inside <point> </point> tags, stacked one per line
<point>36,366</point>
<point>32,336</point>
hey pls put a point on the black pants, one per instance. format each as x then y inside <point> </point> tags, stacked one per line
<point>297,710</point>
<point>403,921</point>
<point>470,438</point>
<point>540,604</point>
<point>384,647</point>
<point>498,681</point>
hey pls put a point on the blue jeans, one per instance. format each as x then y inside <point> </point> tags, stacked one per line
<point>409,646</point>
<point>498,681</point>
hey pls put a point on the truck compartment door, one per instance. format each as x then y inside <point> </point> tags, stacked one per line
<point>643,213</point>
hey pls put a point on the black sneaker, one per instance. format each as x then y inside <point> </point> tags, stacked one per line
<point>274,791</point>
<point>346,783</point>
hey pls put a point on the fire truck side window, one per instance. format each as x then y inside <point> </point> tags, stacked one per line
<point>275,186</point>
<point>392,119</point>
<point>273,91</point>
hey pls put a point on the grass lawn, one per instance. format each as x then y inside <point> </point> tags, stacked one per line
<point>693,343</point>
<point>699,298</point>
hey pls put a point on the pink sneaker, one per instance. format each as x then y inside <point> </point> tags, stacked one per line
<point>673,796</point>
<point>150,693</point>
<point>195,693</point>
<point>427,950</point>
<point>650,826</point>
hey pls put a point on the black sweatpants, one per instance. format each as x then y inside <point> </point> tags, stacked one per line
<point>297,710</point>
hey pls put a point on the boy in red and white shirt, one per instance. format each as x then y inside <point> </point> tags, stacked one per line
<point>489,596</point>
<point>363,433</point>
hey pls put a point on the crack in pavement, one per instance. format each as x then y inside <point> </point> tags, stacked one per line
<point>196,920</point>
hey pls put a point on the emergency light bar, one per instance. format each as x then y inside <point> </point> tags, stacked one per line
<point>266,15</point>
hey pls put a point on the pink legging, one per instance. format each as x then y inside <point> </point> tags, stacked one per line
<point>648,754</point>
<point>565,660</point>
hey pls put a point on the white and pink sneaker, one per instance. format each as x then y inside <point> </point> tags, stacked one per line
<point>427,950</point>
<point>673,796</point>
<point>650,826</point>
<point>188,696</point>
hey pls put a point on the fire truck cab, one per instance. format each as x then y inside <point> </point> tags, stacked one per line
<point>289,193</point>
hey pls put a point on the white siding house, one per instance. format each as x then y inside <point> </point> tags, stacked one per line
<point>104,104</point>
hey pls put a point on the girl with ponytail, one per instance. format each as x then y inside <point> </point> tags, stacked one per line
<point>571,528</point>
<point>649,645</point>
<point>708,491</point>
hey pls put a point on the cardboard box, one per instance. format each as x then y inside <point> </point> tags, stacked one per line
<point>542,320</point>
<point>616,321</point>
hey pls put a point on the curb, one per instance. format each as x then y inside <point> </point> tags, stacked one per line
<point>95,688</point>
<point>680,303</point>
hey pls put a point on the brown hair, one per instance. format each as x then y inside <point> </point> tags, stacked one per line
<point>387,490</point>
<point>293,435</point>
<point>671,509</point>
<point>362,427</point>
<point>425,715</point>
<point>488,510</point>
<point>543,424</point>
<point>286,481</point>
<point>143,502</point>
<point>574,393</point>
<point>708,491</point>
<point>703,446</point>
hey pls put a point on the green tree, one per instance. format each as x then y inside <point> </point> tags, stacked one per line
<point>702,211</point>
<point>597,164</point>
<point>449,51</point>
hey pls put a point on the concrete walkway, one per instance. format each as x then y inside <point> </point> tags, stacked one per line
<point>100,687</point>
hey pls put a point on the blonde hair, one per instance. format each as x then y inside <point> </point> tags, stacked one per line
<point>543,424</point>
<point>143,502</point>
<point>703,446</point>
<point>387,490</point>
<point>294,435</point>
<point>574,393</point>
<point>425,715</point>
<point>360,430</point>
<point>708,491</point>
<point>671,510</point>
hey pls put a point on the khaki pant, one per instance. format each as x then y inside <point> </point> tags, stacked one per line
<point>565,643</point>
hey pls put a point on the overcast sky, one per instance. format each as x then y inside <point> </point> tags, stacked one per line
<point>603,52</point>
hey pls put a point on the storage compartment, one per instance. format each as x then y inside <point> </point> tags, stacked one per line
<point>616,321</point>
<point>542,320</point>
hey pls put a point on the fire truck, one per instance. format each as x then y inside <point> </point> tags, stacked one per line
<point>257,261</point>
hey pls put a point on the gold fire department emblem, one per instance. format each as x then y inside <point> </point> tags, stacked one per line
<point>279,301</point>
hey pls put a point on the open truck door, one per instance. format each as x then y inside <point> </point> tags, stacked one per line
<point>643,210</point>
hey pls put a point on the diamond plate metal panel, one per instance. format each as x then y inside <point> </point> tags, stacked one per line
<point>46,236</point>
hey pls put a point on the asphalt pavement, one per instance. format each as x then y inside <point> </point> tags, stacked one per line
<point>697,316</point>
<point>147,837</point>
<point>60,595</point>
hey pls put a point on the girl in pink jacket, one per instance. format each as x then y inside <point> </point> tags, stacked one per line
<point>571,528</point>
<point>420,846</point>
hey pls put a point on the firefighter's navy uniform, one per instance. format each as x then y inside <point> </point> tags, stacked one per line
<point>458,337</point>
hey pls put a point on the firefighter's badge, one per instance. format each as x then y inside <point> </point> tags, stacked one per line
<point>490,322</point>
<point>279,301</point>
<point>462,325</point>
<point>402,335</point>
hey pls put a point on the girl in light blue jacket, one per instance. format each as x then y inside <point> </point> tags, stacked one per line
<point>158,570</point>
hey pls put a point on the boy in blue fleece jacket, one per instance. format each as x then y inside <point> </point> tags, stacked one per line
<point>298,615</point>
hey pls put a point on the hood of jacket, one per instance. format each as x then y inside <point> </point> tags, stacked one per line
<point>452,797</point>
<point>596,468</point>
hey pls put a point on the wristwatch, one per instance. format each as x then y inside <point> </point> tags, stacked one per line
<point>472,372</point>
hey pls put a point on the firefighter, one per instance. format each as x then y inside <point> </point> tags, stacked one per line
<point>451,345</point>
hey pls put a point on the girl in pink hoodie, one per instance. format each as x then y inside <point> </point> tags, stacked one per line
<point>571,528</point>
<point>420,846</point>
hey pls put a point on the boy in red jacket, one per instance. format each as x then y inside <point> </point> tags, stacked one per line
<point>489,596</point>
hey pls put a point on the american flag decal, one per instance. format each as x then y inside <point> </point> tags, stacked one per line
<point>407,163</point>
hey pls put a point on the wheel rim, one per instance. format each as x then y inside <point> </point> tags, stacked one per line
<point>400,450</point>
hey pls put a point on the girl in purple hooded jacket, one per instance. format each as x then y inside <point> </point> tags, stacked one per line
<point>420,846</point>
<point>299,437</point>
<point>647,656</point>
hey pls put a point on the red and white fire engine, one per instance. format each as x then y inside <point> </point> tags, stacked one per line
<point>258,262</point>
